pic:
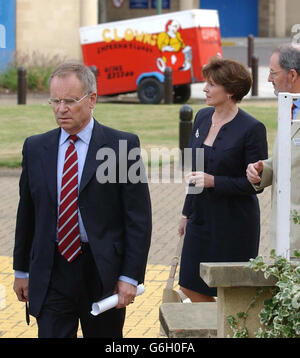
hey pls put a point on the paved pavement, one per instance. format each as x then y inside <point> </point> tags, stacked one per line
<point>167,199</point>
<point>142,317</point>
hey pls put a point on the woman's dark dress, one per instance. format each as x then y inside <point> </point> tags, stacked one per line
<point>224,224</point>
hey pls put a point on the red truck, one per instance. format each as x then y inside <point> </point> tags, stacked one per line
<point>132,55</point>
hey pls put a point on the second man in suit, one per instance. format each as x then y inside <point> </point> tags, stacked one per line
<point>285,77</point>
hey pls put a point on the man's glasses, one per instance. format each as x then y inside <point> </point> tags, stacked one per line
<point>67,101</point>
<point>273,74</point>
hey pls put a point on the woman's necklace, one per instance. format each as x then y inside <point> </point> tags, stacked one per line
<point>214,125</point>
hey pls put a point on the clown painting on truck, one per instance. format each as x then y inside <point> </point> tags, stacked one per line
<point>132,55</point>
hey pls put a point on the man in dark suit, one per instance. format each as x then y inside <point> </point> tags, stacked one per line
<point>80,236</point>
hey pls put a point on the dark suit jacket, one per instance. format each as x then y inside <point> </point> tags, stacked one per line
<point>227,218</point>
<point>116,216</point>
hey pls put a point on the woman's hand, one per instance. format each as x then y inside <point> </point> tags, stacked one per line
<point>182,225</point>
<point>201,179</point>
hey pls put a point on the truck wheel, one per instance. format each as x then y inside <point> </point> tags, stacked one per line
<point>150,91</point>
<point>182,93</point>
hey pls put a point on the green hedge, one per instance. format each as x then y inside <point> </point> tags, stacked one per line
<point>37,78</point>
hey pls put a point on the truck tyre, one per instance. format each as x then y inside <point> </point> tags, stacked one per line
<point>150,91</point>
<point>182,93</point>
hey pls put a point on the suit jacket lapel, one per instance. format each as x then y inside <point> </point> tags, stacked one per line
<point>97,141</point>
<point>202,132</point>
<point>49,159</point>
<point>295,126</point>
<point>197,140</point>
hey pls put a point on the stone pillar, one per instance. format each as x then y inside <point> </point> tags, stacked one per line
<point>280,18</point>
<point>232,300</point>
<point>188,4</point>
<point>237,284</point>
<point>88,12</point>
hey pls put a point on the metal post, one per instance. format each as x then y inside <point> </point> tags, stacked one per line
<point>250,49</point>
<point>95,71</point>
<point>284,175</point>
<point>158,6</point>
<point>22,86</point>
<point>254,66</point>
<point>185,129</point>
<point>168,86</point>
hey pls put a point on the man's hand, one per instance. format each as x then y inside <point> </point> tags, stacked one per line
<point>126,292</point>
<point>21,289</point>
<point>253,172</point>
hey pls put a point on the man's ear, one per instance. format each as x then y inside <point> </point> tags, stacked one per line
<point>93,99</point>
<point>293,74</point>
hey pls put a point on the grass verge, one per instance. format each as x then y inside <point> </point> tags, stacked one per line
<point>156,125</point>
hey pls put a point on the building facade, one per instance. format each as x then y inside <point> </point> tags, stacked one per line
<point>7,31</point>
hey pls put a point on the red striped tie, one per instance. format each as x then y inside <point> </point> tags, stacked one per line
<point>293,107</point>
<point>68,227</point>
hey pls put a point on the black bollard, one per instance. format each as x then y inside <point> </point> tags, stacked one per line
<point>250,49</point>
<point>95,71</point>
<point>22,86</point>
<point>185,129</point>
<point>168,86</point>
<point>254,66</point>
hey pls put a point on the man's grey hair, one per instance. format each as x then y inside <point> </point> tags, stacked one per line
<point>83,73</point>
<point>289,57</point>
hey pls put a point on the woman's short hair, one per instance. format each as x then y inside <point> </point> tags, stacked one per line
<point>232,75</point>
<point>83,73</point>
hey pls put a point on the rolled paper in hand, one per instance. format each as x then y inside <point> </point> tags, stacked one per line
<point>112,301</point>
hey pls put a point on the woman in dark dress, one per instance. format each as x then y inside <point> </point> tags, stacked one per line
<point>222,223</point>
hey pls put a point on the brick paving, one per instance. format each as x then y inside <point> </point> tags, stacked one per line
<point>142,317</point>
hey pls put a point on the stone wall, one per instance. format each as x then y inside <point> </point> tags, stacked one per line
<point>47,29</point>
<point>266,17</point>
<point>124,12</point>
<point>276,17</point>
<point>292,15</point>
